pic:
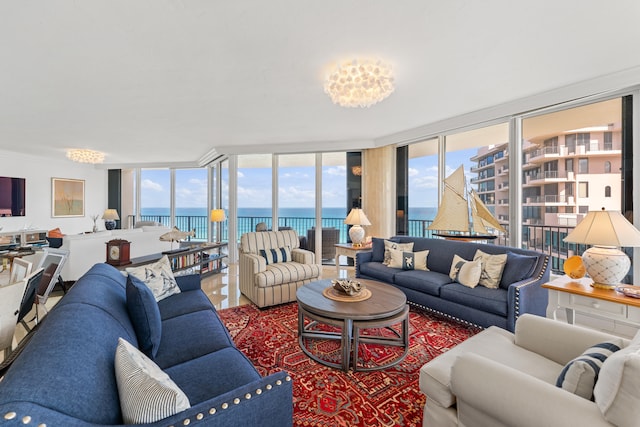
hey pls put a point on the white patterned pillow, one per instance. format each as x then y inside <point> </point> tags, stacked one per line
<point>157,276</point>
<point>465,272</point>
<point>147,394</point>
<point>579,376</point>
<point>273,256</point>
<point>492,267</point>
<point>388,244</point>
<point>616,392</point>
<point>409,260</point>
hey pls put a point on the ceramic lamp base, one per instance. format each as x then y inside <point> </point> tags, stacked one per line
<point>356,233</point>
<point>109,225</point>
<point>606,266</point>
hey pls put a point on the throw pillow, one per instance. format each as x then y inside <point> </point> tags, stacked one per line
<point>409,260</point>
<point>388,244</point>
<point>579,376</point>
<point>617,392</point>
<point>276,255</point>
<point>492,267</point>
<point>147,394</point>
<point>377,249</point>
<point>517,268</point>
<point>465,272</point>
<point>157,276</point>
<point>145,316</point>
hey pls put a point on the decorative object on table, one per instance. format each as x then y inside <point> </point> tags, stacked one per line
<point>218,216</point>
<point>359,83</point>
<point>110,217</point>
<point>574,267</point>
<point>67,197</point>
<point>606,231</point>
<point>629,290</point>
<point>457,206</point>
<point>347,286</point>
<point>356,219</point>
<point>118,252</point>
<point>95,226</point>
<point>176,235</point>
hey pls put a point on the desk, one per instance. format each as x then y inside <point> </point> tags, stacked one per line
<point>349,251</point>
<point>576,295</point>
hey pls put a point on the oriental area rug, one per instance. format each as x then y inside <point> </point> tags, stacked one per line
<point>323,396</point>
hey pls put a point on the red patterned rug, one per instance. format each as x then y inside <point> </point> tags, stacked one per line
<point>323,396</point>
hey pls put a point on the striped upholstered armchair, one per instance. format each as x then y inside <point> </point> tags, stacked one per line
<point>273,266</point>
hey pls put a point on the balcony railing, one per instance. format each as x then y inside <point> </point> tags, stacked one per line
<point>541,238</point>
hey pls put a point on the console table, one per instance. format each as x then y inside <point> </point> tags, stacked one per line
<point>349,251</point>
<point>577,295</point>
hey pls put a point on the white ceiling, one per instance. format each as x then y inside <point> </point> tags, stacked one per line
<point>157,81</point>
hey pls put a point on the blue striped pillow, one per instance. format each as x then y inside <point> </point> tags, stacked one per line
<point>579,376</point>
<point>273,256</point>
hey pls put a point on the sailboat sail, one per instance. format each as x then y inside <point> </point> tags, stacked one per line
<point>457,208</point>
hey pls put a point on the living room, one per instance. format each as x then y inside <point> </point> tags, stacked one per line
<point>174,87</point>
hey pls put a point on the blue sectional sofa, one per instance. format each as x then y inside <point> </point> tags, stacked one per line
<point>519,292</point>
<point>65,376</point>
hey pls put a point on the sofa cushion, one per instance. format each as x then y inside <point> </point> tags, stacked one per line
<point>517,268</point>
<point>480,298</point>
<point>147,394</point>
<point>275,255</point>
<point>617,392</point>
<point>145,316</point>
<point>183,303</point>
<point>465,272</point>
<point>286,272</point>
<point>379,271</point>
<point>492,267</point>
<point>409,260</point>
<point>377,249</point>
<point>429,282</point>
<point>228,366</point>
<point>158,276</point>
<point>388,244</point>
<point>580,374</point>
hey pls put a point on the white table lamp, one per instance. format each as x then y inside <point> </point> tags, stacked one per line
<point>356,219</point>
<point>605,231</point>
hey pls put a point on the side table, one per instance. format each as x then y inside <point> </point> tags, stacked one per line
<point>349,251</point>
<point>577,295</point>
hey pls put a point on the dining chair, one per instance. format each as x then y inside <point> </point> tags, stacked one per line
<point>29,297</point>
<point>10,298</point>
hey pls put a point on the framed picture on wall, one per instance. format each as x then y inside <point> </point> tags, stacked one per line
<point>67,197</point>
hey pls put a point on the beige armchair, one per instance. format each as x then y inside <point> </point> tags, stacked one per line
<point>497,378</point>
<point>273,266</point>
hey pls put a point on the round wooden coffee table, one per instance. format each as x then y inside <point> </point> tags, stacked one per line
<point>386,307</point>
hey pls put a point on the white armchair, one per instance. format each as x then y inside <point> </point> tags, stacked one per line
<point>275,282</point>
<point>497,378</point>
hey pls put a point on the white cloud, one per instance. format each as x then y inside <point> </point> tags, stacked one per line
<point>148,184</point>
<point>337,171</point>
<point>413,172</point>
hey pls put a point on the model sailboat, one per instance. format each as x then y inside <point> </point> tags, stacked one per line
<point>461,214</point>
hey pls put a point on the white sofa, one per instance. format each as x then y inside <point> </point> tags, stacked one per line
<point>85,250</point>
<point>498,379</point>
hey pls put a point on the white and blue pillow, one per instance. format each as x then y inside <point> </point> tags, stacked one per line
<point>276,255</point>
<point>579,376</point>
<point>408,260</point>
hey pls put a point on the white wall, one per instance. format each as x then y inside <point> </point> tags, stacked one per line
<point>38,172</point>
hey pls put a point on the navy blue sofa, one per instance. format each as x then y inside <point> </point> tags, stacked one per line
<point>65,374</point>
<point>520,290</point>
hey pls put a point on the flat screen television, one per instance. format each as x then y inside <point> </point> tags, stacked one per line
<point>12,196</point>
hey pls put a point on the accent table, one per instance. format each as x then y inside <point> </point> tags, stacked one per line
<point>349,251</point>
<point>577,295</point>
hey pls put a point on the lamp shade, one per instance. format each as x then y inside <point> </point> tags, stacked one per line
<point>605,228</point>
<point>217,215</point>
<point>357,217</point>
<point>110,215</point>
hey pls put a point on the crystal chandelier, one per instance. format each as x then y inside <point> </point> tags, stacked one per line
<point>83,155</point>
<point>359,83</point>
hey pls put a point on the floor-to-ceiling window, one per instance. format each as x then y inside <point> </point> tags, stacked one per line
<point>254,192</point>
<point>579,173</point>
<point>422,183</point>
<point>297,192</point>
<point>191,201</point>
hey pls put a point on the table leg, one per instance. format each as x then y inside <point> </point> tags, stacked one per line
<point>337,260</point>
<point>571,315</point>
<point>347,336</point>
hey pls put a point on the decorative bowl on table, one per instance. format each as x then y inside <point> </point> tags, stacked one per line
<point>347,286</point>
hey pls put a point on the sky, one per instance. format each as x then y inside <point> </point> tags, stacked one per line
<point>296,185</point>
